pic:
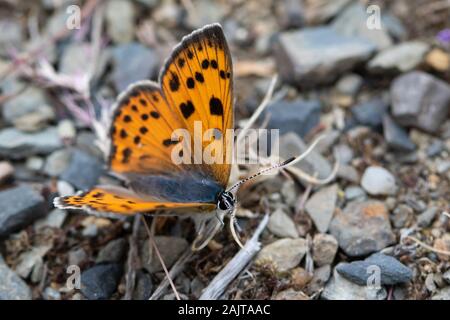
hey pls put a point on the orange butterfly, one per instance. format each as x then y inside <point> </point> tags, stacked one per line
<point>195,84</point>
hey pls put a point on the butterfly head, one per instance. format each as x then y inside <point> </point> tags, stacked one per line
<point>226,201</point>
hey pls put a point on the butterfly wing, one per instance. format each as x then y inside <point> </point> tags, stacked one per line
<point>144,119</point>
<point>141,128</point>
<point>121,201</point>
<point>197,83</point>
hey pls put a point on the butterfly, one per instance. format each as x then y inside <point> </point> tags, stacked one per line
<point>195,85</point>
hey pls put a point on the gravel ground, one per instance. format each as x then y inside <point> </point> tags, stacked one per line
<point>378,230</point>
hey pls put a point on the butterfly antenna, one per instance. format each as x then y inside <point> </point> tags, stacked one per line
<point>280,165</point>
<point>276,166</point>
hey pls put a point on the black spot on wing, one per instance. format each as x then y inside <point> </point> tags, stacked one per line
<point>169,142</point>
<point>199,77</point>
<point>126,153</point>
<point>215,106</point>
<point>205,64</point>
<point>174,82</point>
<point>154,114</point>
<point>187,109</point>
<point>190,83</point>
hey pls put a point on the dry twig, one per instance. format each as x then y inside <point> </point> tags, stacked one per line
<point>155,247</point>
<point>218,285</point>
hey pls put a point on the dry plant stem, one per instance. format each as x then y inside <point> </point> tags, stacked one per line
<point>155,247</point>
<point>130,277</point>
<point>218,285</point>
<point>259,110</point>
<point>424,245</point>
<point>176,269</point>
<point>86,11</point>
<point>302,175</point>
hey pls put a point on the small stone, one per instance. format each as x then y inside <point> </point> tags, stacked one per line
<point>354,192</point>
<point>90,231</point>
<point>300,278</point>
<point>281,225</point>
<point>438,59</point>
<point>446,276</point>
<point>420,100</point>
<point>299,116</point>
<point>339,288</point>
<point>16,144</point>
<point>12,35</point>
<point>38,272</point>
<point>290,14</point>
<point>51,294</point>
<point>314,162</point>
<point>83,170</point>
<point>353,21</point>
<point>348,173</point>
<point>321,11</point>
<point>391,271</point>
<point>442,166</point>
<point>435,148</point>
<point>291,294</point>
<point>57,162</point>
<point>378,181</point>
<point>67,130</point>
<point>132,62</point>
<point>85,141</point>
<point>197,287</point>
<point>207,12</point>
<point>289,193</point>
<point>362,228</point>
<point>403,57</point>
<point>319,279</point>
<point>401,216</point>
<point>394,26</point>
<point>6,171</point>
<point>19,206</point>
<point>370,113</point>
<point>114,251</point>
<point>77,257</point>
<point>35,120</point>
<point>143,287</point>
<point>349,84</point>
<point>443,294</point>
<point>12,287</point>
<point>29,100</point>
<point>321,206</point>
<point>34,163</point>
<point>29,259</point>
<point>317,55</point>
<point>325,247</point>
<point>120,20</point>
<point>285,254</point>
<point>171,248</point>
<point>168,14</point>
<point>64,188</point>
<point>426,218</point>
<point>343,153</point>
<point>56,22</point>
<point>443,244</point>
<point>100,281</point>
<point>395,136</point>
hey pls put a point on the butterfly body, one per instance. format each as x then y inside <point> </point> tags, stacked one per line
<point>195,86</point>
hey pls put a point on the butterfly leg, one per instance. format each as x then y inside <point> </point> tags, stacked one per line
<point>220,218</point>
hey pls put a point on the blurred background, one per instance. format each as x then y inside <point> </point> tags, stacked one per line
<point>372,75</point>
